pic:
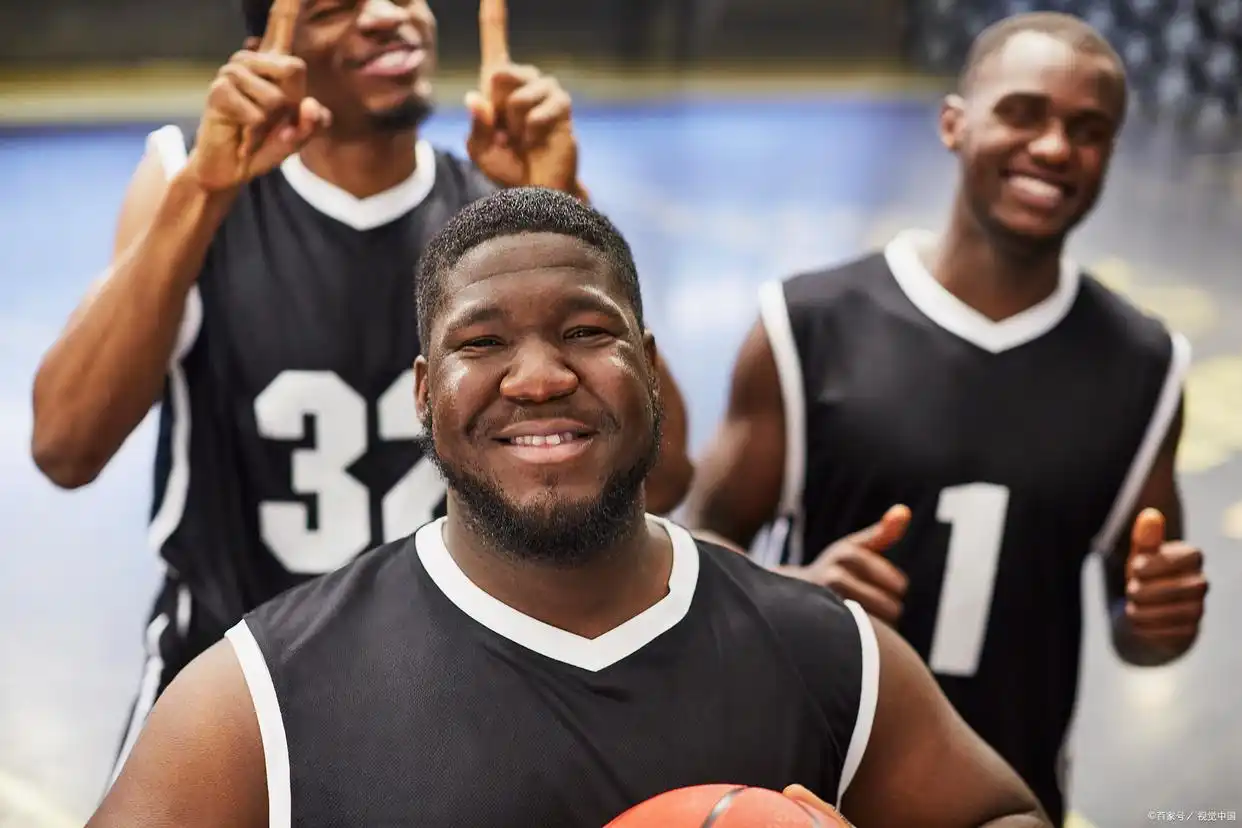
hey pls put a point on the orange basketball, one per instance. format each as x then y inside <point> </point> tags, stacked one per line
<point>724,806</point>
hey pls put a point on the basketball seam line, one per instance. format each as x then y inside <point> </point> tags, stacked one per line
<point>721,806</point>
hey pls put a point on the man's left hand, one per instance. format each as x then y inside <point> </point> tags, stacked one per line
<point>521,131</point>
<point>1165,586</point>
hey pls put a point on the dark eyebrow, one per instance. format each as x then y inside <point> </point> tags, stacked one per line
<point>1029,96</point>
<point>579,302</point>
<point>590,302</point>
<point>477,314</point>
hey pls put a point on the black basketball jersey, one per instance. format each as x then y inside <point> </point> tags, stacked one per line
<point>286,442</point>
<point>396,692</point>
<point>1019,445</point>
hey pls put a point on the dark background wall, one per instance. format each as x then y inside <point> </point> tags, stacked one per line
<point>130,31</point>
<point>1184,56</point>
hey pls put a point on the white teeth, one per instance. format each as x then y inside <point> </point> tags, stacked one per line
<point>1037,188</point>
<point>391,60</point>
<point>544,439</point>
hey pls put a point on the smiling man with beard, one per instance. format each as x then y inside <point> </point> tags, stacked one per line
<point>548,654</point>
<point>259,292</point>
<point>945,430</point>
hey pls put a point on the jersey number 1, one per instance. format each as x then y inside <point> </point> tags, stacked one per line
<point>340,439</point>
<point>976,514</point>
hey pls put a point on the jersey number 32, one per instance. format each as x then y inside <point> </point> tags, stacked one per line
<point>340,439</point>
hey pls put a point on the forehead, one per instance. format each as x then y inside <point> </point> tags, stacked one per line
<point>502,270</point>
<point>1033,63</point>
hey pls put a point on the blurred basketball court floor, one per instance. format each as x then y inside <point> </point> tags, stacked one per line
<point>716,192</point>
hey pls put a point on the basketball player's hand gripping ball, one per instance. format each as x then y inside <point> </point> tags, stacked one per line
<point>810,800</point>
<point>855,567</point>
<point>257,112</point>
<point>521,133</point>
<point>1165,585</point>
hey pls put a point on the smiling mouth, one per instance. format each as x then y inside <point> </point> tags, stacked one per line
<point>548,448</point>
<point>1039,191</point>
<point>397,62</point>
<point>550,440</point>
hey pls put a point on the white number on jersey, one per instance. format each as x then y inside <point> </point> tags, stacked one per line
<point>976,513</point>
<point>340,438</point>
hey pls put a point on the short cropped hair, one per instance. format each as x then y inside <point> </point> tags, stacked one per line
<point>1072,31</point>
<point>255,14</point>
<point>515,212</point>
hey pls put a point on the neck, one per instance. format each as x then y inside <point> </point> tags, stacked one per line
<point>587,600</point>
<point>999,277</point>
<point>363,166</point>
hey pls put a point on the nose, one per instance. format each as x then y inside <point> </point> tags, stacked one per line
<point>538,374</point>
<point>382,14</point>
<point>1052,146</point>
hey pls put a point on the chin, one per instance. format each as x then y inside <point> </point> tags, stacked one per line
<point>1030,228</point>
<point>397,116</point>
<point>549,493</point>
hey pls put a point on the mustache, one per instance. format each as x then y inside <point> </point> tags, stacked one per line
<point>597,420</point>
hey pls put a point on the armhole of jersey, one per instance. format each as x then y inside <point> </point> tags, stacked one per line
<point>774,313</point>
<point>1157,428</point>
<point>168,143</point>
<point>868,697</point>
<point>271,724</point>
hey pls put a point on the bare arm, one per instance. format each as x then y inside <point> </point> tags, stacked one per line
<point>923,765</point>
<point>107,368</point>
<point>737,486</point>
<point>669,480</point>
<point>199,762</point>
<point>1160,491</point>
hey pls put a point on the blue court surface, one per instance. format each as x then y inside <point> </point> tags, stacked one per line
<point>715,197</point>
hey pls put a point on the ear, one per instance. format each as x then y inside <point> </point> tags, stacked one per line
<point>422,402</point>
<point>650,351</point>
<point>952,118</point>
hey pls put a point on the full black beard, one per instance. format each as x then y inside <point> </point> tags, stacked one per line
<point>409,114</point>
<point>552,531</point>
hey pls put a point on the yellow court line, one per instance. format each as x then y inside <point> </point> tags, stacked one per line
<point>31,806</point>
<point>170,91</point>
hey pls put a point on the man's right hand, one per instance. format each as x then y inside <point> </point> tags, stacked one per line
<point>855,567</point>
<point>257,112</point>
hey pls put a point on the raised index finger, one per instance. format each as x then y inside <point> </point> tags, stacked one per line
<point>493,36</point>
<point>281,22</point>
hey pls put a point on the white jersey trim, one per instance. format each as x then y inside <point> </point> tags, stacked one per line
<point>868,698</point>
<point>593,654</point>
<point>958,318</point>
<point>774,314</point>
<point>169,144</point>
<point>1157,429</point>
<point>364,213</point>
<point>152,671</point>
<point>271,724</point>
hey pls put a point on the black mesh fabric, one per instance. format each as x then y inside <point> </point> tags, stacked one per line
<point>401,709</point>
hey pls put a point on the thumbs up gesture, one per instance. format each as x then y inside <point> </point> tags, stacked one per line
<point>1165,585</point>
<point>855,567</point>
